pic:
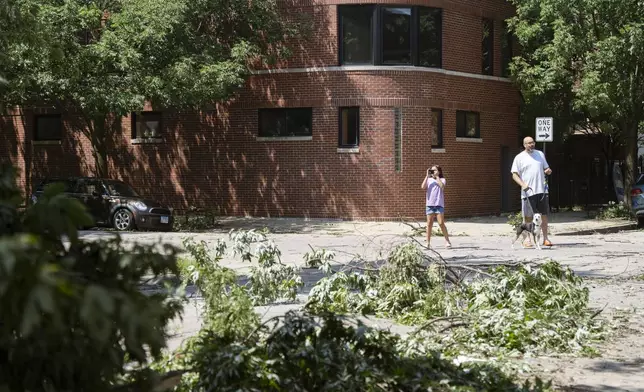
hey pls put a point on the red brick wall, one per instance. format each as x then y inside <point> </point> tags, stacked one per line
<point>213,160</point>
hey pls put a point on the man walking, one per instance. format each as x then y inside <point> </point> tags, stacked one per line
<point>529,171</point>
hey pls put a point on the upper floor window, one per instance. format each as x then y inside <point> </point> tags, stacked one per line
<point>375,34</point>
<point>468,124</point>
<point>487,54</point>
<point>285,122</point>
<point>506,50</point>
<point>349,127</point>
<point>146,125</point>
<point>48,127</point>
<point>356,24</point>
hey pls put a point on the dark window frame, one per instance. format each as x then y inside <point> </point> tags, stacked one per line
<point>285,111</point>
<point>357,143</point>
<point>487,47</point>
<point>377,34</point>
<point>374,11</point>
<point>413,36</point>
<point>438,128</point>
<point>506,50</point>
<point>36,134</point>
<point>462,133</point>
<point>135,130</point>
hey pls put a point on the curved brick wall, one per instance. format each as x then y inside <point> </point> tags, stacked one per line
<point>214,159</point>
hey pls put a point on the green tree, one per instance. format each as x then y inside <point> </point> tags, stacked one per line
<point>103,59</point>
<point>587,58</point>
<point>74,317</point>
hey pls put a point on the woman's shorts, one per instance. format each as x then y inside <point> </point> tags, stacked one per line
<point>432,210</point>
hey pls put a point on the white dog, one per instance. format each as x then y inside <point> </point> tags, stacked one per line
<point>532,229</point>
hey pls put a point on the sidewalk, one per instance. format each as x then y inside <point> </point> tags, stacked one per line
<point>562,223</point>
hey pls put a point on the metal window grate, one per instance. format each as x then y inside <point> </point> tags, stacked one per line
<point>398,139</point>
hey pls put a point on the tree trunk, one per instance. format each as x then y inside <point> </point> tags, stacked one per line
<point>631,161</point>
<point>99,147</point>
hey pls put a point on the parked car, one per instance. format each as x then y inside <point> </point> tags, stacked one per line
<point>637,200</point>
<point>113,203</point>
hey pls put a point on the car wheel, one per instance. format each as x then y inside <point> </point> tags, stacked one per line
<point>640,222</point>
<point>123,220</point>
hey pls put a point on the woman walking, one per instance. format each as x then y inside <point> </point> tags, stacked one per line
<point>434,183</point>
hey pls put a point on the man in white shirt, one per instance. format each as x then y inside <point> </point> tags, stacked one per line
<point>529,171</point>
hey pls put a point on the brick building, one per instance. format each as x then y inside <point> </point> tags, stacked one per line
<point>345,128</point>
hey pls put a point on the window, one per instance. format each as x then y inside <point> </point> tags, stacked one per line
<point>396,36</point>
<point>89,187</point>
<point>70,184</point>
<point>398,139</point>
<point>430,37</point>
<point>437,128</point>
<point>356,24</point>
<point>506,50</point>
<point>349,127</point>
<point>146,125</point>
<point>285,122</point>
<point>374,34</point>
<point>48,127</point>
<point>468,124</point>
<point>488,47</point>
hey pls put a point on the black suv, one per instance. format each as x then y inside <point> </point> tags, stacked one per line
<point>113,203</point>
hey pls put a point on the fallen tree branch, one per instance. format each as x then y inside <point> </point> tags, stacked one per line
<point>435,320</point>
<point>598,312</point>
<point>468,268</point>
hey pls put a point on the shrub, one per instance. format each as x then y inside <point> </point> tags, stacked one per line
<point>73,315</point>
<point>515,220</point>
<point>614,211</point>
<point>301,352</point>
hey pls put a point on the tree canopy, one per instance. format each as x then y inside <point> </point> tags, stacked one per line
<point>585,60</point>
<point>110,57</point>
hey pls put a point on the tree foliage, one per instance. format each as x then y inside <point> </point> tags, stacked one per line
<point>73,315</point>
<point>300,351</point>
<point>585,60</point>
<point>503,310</point>
<point>102,58</point>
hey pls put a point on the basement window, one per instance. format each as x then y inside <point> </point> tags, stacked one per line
<point>48,127</point>
<point>349,135</point>
<point>146,126</point>
<point>290,122</point>
<point>468,124</point>
<point>437,128</point>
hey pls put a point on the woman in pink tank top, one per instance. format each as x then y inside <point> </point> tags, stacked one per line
<point>434,184</point>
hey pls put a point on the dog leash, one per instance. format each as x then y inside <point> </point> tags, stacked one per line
<point>527,200</point>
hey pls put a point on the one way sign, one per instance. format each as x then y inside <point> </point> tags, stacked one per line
<point>544,129</point>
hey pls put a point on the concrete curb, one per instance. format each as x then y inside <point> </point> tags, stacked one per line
<point>601,230</point>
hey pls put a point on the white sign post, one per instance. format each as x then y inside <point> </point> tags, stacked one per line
<point>544,131</point>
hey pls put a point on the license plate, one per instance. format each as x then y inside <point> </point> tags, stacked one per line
<point>164,219</point>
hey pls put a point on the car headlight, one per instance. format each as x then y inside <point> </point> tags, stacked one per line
<point>139,205</point>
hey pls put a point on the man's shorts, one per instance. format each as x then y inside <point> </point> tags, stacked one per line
<point>539,203</point>
<point>431,210</point>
